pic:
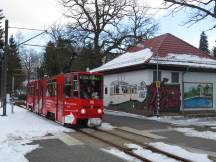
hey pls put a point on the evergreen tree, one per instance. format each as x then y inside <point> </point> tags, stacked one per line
<point>14,64</point>
<point>1,30</point>
<point>86,59</point>
<point>1,41</point>
<point>57,57</point>
<point>203,44</point>
<point>214,51</point>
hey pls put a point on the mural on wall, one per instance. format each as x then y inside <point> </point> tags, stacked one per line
<point>198,95</point>
<point>121,91</point>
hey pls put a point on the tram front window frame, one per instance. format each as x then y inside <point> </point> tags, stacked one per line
<point>90,86</point>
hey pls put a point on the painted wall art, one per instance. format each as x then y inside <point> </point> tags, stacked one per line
<point>121,91</point>
<point>198,95</point>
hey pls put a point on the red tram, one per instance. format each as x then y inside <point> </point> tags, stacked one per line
<point>71,98</point>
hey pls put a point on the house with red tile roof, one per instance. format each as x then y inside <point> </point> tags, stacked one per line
<point>183,65</point>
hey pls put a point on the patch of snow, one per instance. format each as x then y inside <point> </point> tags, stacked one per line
<point>126,59</point>
<point>176,150</point>
<point>185,60</point>
<point>186,121</point>
<point>14,151</point>
<point>191,132</point>
<point>149,154</point>
<point>106,126</point>
<point>121,154</point>
<point>175,120</point>
<point>18,129</point>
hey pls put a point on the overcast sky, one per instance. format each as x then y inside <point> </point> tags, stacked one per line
<point>41,14</point>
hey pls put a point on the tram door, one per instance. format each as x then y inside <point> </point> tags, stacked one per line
<point>35,97</point>
<point>40,97</point>
<point>59,101</point>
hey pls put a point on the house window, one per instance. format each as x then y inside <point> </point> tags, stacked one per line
<point>124,89</point>
<point>175,77</point>
<point>155,76</point>
<point>116,89</point>
<point>106,90</point>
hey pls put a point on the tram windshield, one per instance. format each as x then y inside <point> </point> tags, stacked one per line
<point>90,86</point>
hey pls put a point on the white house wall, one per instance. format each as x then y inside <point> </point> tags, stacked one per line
<point>147,76</point>
<point>134,77</point>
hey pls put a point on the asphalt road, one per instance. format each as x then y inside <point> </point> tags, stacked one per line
<point>56,150</point>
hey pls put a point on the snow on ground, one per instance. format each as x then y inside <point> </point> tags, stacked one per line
<point>156,156</point>
<point>191,132</point>
<point>176,150</point>
<point>121,154</point>
<point>186,121</point>
<point>149,154</point>
<point>179,121</point>
<point>106,126</point>
<point>18,129</point>
<point>175,120</point>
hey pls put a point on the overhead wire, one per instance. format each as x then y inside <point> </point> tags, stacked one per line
<point>34,29</point>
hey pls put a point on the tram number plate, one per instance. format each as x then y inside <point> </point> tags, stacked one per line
<point>94,122</point>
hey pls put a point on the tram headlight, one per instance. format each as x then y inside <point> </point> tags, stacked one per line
<point>83,111</point>
<point>99,111</point>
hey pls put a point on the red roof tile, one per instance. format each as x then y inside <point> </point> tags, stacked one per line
<point>168,43</point>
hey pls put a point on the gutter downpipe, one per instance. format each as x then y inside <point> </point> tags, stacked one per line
<point>182,101</point>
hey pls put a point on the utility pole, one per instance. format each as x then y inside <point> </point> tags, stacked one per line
<point>157,87</point>
<point>4,76</point>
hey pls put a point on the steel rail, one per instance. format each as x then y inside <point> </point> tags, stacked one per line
<point>146,146</point>
<point>124,149</point>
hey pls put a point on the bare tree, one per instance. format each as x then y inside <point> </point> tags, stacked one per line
<point>201,9</point>
<point>30,61</point>
<point>107,24</point>
<point>57,32</point>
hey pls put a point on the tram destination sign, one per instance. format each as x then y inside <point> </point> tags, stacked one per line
<point>90,77</point>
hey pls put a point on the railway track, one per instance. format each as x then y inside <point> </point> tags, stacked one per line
<point>102,136</point>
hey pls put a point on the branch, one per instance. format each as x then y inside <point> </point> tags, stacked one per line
<point>183,3</point>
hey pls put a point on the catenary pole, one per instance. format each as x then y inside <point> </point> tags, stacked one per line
<point>5,69</point>
<point>2,79</point>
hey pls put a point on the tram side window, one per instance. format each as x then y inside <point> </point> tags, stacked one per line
<point>68,87</point>
<point>75,87</point>
<point>51,89</point>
